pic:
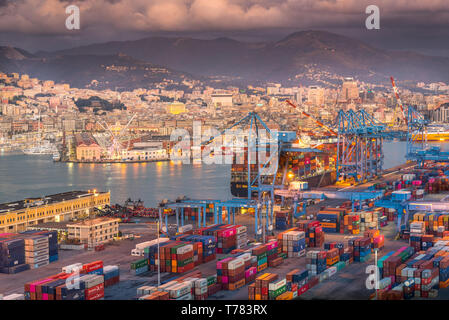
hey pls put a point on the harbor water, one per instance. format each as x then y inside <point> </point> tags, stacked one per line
<point>35,176</point>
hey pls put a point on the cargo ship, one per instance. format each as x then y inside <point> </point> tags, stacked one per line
<point>434,133</point>
<point>315,168</point>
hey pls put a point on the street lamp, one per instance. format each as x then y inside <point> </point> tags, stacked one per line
<point>158,259</point>
<point>376,270</point>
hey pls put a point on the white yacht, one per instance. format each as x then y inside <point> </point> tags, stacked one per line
<point>44,148</point>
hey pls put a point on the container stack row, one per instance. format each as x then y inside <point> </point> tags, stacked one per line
<point>75,282</point>
<point>31,249</point>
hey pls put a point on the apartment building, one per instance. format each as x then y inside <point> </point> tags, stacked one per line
<point>95,231</point>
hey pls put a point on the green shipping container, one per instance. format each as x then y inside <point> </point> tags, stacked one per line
<point>261,256</point>
<point>272,294</point>
<point>211,280</point>
<point>174,249</point>
<point>139,264</point>
<point>185,262</point>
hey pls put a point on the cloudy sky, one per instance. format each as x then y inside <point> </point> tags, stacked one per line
<point>420,25</point>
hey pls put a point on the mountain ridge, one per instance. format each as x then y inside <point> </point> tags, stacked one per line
<point>290,59</point>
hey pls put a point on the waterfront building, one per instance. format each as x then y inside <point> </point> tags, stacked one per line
<point>17,216</point>
<point>87,148</point>
<point>144,154</point>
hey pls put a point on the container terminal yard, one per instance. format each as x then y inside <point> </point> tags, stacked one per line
<point>369,234</point>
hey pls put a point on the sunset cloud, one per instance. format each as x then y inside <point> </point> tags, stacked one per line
<point>48,16</point>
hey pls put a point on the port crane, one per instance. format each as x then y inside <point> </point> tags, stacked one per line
<point>359,146</point>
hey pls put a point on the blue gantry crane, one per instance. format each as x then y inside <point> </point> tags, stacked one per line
<point>359,146</point>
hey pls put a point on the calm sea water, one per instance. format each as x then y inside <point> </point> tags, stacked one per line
<point>34,176</point>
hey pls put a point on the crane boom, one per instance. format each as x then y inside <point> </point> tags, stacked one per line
<point>317,121</point>
<point>396,93</point>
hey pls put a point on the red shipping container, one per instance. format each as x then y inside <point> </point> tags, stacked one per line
<point>89,267</point>
<point>303,289</point>
<point>95,293</point>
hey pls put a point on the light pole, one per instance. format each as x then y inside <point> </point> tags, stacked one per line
<point>376,270</point>
<point>158,259</point>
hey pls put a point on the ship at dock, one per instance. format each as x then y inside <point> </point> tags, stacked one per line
<point>436,132</point>
<point>44,148</point>
<point>313,166</point>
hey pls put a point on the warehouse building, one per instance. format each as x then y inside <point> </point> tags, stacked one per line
<point>17,216</point>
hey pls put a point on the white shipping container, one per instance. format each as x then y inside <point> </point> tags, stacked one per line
<point>277,285</point>
<point>36,241</point>
<point>200,291</point>
<point>36,253</point>
<point>166,286</point>
<point>146,244</point>
<point>92,280</point>
<point>245,256</point>
<point>185,297</point>
<point>201,283</point>
<point>241,230</point>
<point>36,247</point>
<point>179,290</point>
<point>185,249</point>
<point>37,259</point>
<point>236,263</point>
<point>72,268</point>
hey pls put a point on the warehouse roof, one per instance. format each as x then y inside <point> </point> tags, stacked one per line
<point>93,222</point>
<point>37,202</point>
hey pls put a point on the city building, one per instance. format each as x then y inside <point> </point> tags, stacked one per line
<point>176,108</point>
<point>17,216</point>
<point>87,148</point>
<point>222,100</point>
<point>350,90</point>
<point>441,114</point>
<point>94,231</point>
<point>144,154</point>
<point>316,96</point>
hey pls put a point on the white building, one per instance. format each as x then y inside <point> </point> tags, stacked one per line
<point>222,100</point>
<point>144,154</point>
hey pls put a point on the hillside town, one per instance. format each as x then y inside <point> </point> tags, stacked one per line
<point>85,125</point>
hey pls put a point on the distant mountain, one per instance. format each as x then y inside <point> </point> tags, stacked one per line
<point>303,57</point>
<point>279,60</point>
<point>109,71</point>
